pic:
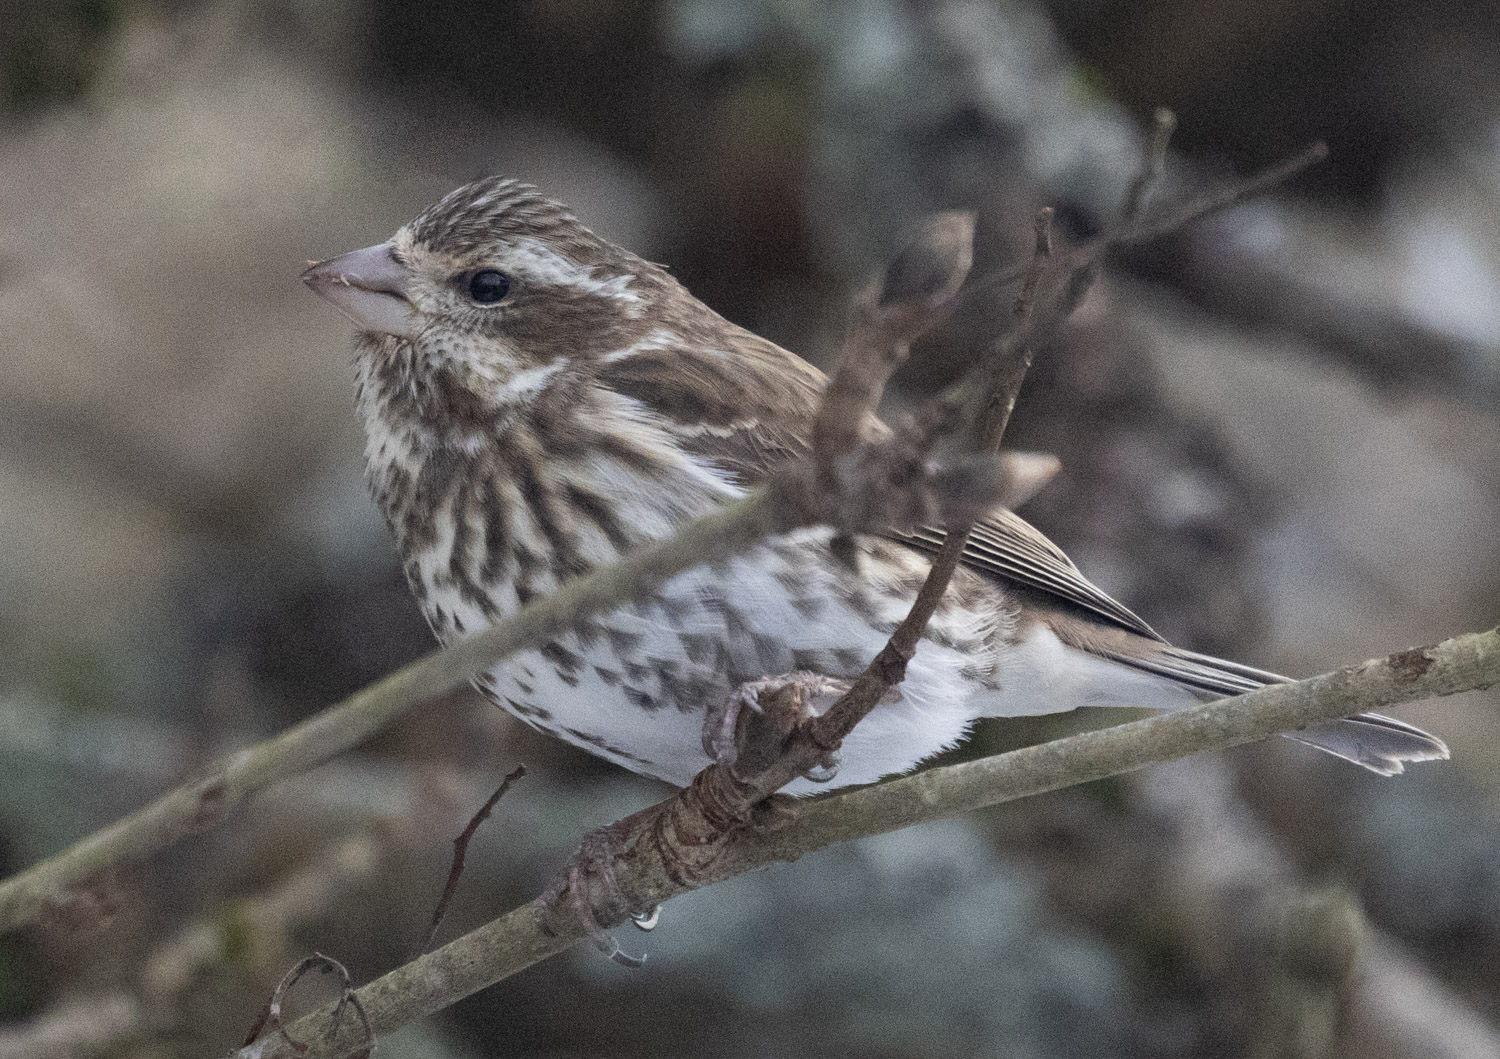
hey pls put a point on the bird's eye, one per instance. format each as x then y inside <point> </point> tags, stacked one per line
<point>487,286</point>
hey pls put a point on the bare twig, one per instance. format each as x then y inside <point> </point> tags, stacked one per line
<point>1219,201</point>
<point>1154,160</point>
<point>1170,221</point>
<point>270,1016</point>
<point>998,385</point>
<point>516,941</point>
<point>1041,254</point>
<point>460,853</point>
<point>824,734</point>
<point>915,292</point>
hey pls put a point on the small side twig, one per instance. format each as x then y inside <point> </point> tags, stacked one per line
<point>1154,160</point>
<point>460,853</point>
<point>270,1015</point>
<point>828,731</point>
<point>914,293</point>
<point>1041,254</point>
<point>998,383</point>
<point>1219,201</point>
<point>1170,221</point>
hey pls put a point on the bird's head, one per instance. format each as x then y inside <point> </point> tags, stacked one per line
<point>496,291</point>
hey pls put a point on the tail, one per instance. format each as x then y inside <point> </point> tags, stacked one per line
<point>1381,744</point>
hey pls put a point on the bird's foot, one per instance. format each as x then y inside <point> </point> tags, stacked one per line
<point>777,706</point>
<point>587,882</point>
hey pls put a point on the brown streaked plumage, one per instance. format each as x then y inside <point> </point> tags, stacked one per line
<point>537,401</point>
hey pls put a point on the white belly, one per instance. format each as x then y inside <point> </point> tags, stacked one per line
<point>634,686</point>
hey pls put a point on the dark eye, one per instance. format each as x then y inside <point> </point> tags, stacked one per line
<point>488,286</point>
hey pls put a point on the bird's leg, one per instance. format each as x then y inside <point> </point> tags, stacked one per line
<point>592,868</point>
<point>748,731</point>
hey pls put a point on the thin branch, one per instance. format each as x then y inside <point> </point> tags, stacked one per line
<point>516,941</point>
<point>824,734</point>
<point>1219,201</point>
<point>460,854</point>
<point>915,292</point>
<point>1041,254</point>
<point>1154,160</point>
<point>997,385</point>
<point>1196,209</point>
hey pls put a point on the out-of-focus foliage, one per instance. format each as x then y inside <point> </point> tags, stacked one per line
<point>52,52</point>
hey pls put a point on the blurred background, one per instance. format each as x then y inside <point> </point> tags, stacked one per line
<point>1280,441</point>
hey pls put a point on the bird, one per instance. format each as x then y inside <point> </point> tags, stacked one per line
<point>538,401</point>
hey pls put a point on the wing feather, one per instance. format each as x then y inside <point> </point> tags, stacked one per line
<point>1006,546</point>
<point>744,405</point>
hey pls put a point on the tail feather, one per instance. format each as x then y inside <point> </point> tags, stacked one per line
<point>1381,744</point>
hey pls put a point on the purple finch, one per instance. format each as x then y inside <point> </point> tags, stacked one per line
<point>538,401</point>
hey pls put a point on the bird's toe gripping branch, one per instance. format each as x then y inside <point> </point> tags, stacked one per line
<point>588,882</point>
<point>751,727</point>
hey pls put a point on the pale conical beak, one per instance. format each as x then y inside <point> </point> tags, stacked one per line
<point>368,286</point>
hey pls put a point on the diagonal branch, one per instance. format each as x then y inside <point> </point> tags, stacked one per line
<point>516,941</point>
<point>822,736</point>
<point>1175,219</point>
<point>995,384</point>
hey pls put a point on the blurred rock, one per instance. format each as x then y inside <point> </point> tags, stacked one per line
<point>1381,539</point>
<point>975,965</point>
<point>171,389</point>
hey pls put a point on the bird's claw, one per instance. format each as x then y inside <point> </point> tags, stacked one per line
<point>722,721</point>
<point>826,769</point>
<point>592,866</point>
<point>722,728</point>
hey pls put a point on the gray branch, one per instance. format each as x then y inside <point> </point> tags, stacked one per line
<point>515,941</point>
